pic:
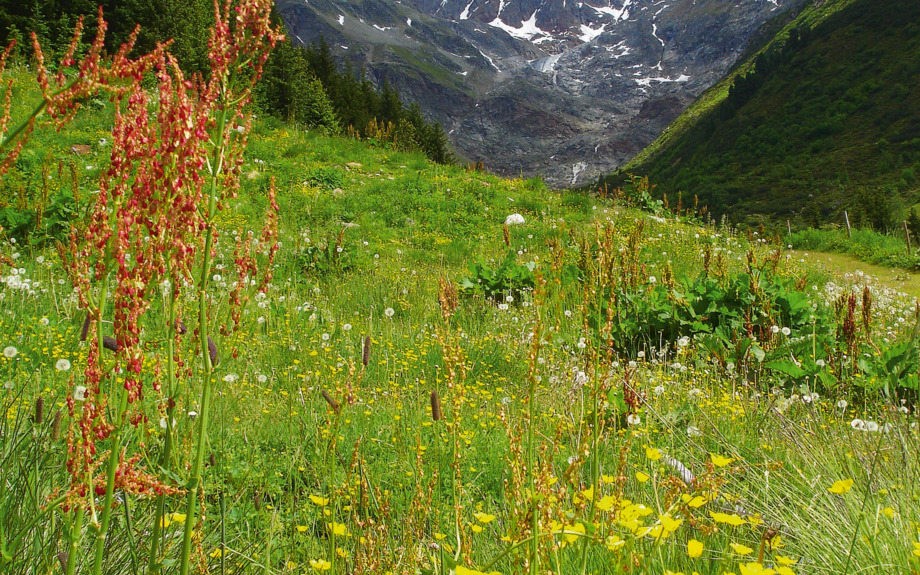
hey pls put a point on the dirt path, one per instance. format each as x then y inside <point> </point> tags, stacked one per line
<point>840,264</point>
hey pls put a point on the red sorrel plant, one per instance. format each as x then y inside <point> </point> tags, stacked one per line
<point>73,82</point>
<point>175,161</point>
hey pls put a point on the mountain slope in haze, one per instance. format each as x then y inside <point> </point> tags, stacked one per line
<point>565,90</point>
<point>826,122</point>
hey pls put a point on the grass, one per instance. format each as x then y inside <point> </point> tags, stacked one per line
<point>863,244</point>
<point>552,429</point>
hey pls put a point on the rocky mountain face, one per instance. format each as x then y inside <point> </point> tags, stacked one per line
<point>564,89</point>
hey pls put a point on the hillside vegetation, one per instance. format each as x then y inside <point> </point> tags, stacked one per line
<point>255,348</point>
<point>819,122</point>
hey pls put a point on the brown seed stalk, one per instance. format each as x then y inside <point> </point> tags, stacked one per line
<point>85,331</point>
<point>39,410</point>
<point>332,403</point>
<point>435,405</point>
<point>56,426</point>
<point>110,343</point>
<point>366,357</point>
<point>212,352</point>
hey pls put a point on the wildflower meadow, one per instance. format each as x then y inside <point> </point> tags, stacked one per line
<point>232,345</point>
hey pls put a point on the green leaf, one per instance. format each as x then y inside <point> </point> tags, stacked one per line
<point>787,367</point>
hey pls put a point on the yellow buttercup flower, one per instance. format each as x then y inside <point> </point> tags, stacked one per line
<point>841,486</point>
<point>719,461</point>
<point>754,568</point>
<point>732,519</point>
<point>694,548</point>
<point>483,517</point>
<point>669,523</point>
<point>614,543</point>
<point>740,549</point>
<point>653,453</point>
<point>321,501</point>
<point>642,477</point>
<point>320,564</point>
<point>606,503</point>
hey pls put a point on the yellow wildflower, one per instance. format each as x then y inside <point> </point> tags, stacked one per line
<point>732,519</point>
<point>694,548</point>
<point>741,549</point>
<point>841,486</point>
<point>483,517</point>
<point>719,461</point>
<point>606,503</point>
<point>614,543</point>
<point>321,501</point>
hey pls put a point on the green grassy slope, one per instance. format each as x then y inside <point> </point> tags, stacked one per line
<point>655,340</point>
<point>827,123</point>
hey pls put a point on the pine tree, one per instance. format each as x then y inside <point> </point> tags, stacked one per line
<point>913,224</point>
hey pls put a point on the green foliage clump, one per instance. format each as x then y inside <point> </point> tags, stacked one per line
<point>509,279</point>
<point>330,258</point>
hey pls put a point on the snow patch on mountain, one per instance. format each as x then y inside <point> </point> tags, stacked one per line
<point>662,79</point>
<point>546,65</point>
<point>655,33</point>
<point>490,60</point>
<point>621,14</point>
<point>528,30</point>
<point>465,15</point>
<point>588,33</point>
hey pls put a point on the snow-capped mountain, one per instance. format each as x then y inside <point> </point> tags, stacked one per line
<point>564,89</point>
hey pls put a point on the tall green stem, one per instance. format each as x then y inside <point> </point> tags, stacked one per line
<point>153,564</point>
<point>194,482</point>
<point>76,530</point>
<point>102,526</point>
<point>531,454</point>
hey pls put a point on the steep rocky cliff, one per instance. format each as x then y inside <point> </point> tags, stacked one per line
<point>563,89</point>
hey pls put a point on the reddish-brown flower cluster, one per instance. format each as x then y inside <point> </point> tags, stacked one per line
<point>74,82</point>
<point>244,256</point>
<point>91,424</point>
<point>167,176</point>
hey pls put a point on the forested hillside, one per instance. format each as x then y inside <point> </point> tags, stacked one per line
<point>302,86</point>
<point>827,121</point>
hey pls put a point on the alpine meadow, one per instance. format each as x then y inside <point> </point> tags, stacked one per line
<point>257,317</point>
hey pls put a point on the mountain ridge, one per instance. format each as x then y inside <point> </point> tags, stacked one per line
<point>567,91</point>
<point>821,124</point>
